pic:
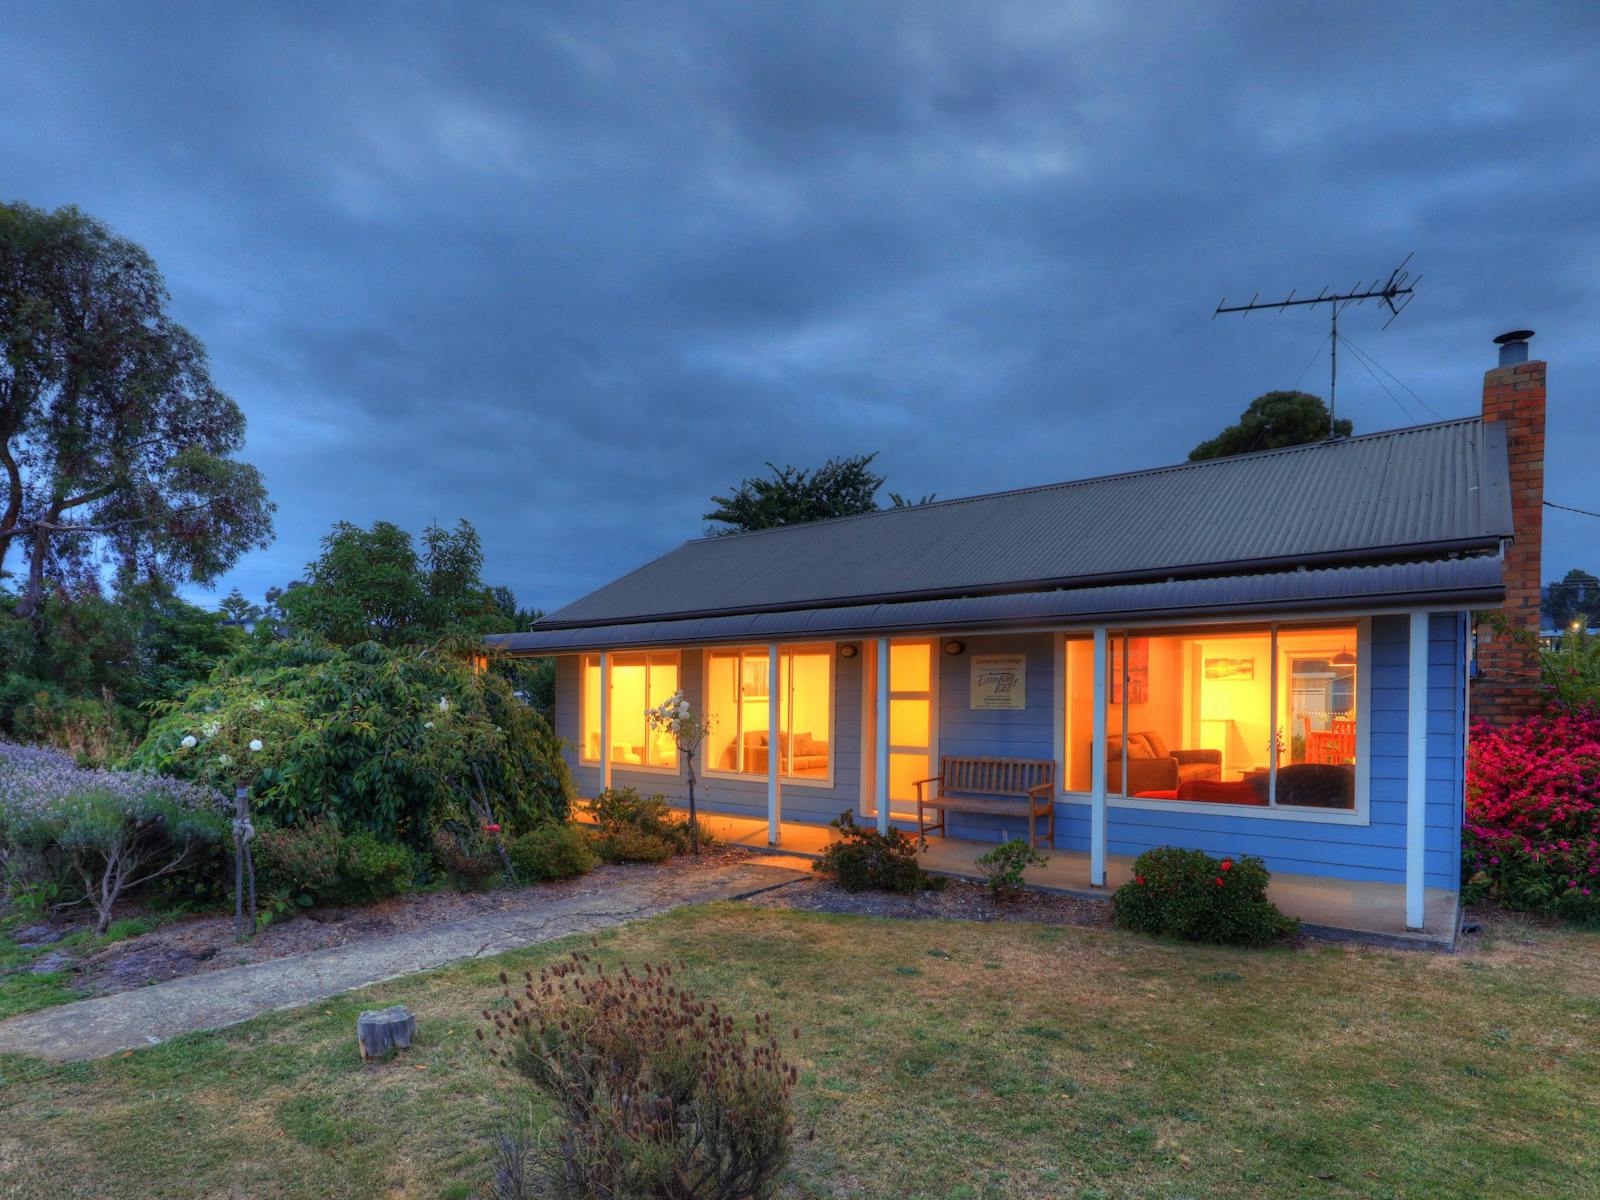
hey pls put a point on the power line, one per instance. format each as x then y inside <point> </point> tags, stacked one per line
<point>1362,359</point>
<point>1397,379</point>
<point>1369,362</point>
<point>1568,508</point>
<point>1309,361</point>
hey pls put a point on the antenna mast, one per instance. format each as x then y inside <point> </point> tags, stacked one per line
<point>1399,284</point>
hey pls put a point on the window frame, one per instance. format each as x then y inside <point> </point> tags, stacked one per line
<point>1360,814</point>
<point>628,658</point>
<point>763,652</point>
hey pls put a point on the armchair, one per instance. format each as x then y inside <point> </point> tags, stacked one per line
<point>1152,767</point>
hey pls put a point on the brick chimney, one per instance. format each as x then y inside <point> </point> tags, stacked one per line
<point>1507,686</point>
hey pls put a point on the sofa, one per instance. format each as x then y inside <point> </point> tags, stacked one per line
<point>1154,767</point>
<point>810,755</point>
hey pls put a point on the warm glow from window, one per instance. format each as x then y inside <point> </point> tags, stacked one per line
<point>738,698</point>
<point>911,666</point>
<point>589,711</point>
<point>638,681</point>
<point>1242,716</point>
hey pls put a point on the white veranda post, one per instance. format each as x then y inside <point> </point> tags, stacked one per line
<point>880,727</point>
<point>1097,769</point>
<point>605,720</point>
<point>1416,771</point>
<point>774,758</point>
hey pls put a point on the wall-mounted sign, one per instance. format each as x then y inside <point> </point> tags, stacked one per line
<point>999,681</point>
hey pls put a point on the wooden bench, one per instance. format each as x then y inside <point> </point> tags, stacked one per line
<point>1001,787</point>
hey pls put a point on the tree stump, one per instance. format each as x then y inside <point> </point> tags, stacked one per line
<point>384,1031</point>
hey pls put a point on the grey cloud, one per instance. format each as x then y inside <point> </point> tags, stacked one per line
<point>568,269</point>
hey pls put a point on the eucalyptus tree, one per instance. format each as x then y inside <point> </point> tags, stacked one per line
<point>116,448</point>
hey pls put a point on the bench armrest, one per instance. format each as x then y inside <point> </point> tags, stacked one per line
<point>1042,789</point>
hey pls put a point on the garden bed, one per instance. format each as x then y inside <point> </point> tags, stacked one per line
<point>959,900</point>
<point>205,942</point>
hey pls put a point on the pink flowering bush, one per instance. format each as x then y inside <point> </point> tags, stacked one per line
<point>1532,837</point>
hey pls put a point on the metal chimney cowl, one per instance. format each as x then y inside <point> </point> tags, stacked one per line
<point>1513,347</point>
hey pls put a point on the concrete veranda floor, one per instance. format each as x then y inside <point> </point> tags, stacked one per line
<point>1329,907</point>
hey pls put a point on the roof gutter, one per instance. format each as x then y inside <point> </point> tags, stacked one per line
<point>1432,599</point>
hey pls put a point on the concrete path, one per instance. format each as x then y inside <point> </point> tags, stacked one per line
<point>215,999</point>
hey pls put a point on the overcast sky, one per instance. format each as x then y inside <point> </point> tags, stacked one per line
<point>565,270</point>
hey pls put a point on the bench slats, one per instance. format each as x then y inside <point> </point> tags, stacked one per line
<point>996,786</point>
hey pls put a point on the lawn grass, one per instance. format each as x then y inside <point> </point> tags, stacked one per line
<point>939,1059</point>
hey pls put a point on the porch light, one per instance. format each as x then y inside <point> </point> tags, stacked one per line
<point>954,647</point>
<point>1343,659</point>
<point>848,650</point>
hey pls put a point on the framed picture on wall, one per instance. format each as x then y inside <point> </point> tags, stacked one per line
<point>1138,670</point>
<point>1230,668</point>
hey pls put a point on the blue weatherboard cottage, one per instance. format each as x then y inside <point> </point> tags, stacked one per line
<point>1267,654</point>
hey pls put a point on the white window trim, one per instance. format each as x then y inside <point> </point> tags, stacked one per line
<point>1360,815</point>
<point>676,769</point>
<point>583,683</point>
<point>832,648</point>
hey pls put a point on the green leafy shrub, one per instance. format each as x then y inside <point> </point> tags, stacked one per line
<point>300,862</point>
<point>374,869</point>
<point>865,860</point>
<point>658,1093</point>
<point>470,857</point>
<point>559,850</point>
<point>318,863</point>
<point>625,844</point>
<point>1189,895</point>
<point>634,828</point>
<point>395,740</point>
<point>1003,867</point>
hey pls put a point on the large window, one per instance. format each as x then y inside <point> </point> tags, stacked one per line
<point>739,695</point>
<point>638,682</point>
<point>1259,717</point>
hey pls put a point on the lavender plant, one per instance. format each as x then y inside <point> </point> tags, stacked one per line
<point>105,832</point>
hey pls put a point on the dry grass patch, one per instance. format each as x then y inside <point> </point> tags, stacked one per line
<point>939,1059</point>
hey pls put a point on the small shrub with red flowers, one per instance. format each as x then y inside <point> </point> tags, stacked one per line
<point>1532,836</point>
<point>1189,895</point>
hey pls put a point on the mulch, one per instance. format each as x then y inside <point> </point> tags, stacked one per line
<point>959,900</point>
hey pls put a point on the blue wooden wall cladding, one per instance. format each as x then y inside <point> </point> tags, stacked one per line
<point>1371,851</point>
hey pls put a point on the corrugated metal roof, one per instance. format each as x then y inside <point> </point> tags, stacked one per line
<point>1453,582</point>
<point>1402,493</point>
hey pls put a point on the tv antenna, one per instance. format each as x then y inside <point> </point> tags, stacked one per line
<point>1399,284</point>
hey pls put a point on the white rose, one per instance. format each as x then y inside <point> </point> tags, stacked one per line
<point>427,724</point>
<point>190,742</point>
<point>255,745</point>
<point>210,728</point>
<point>444,704</point>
